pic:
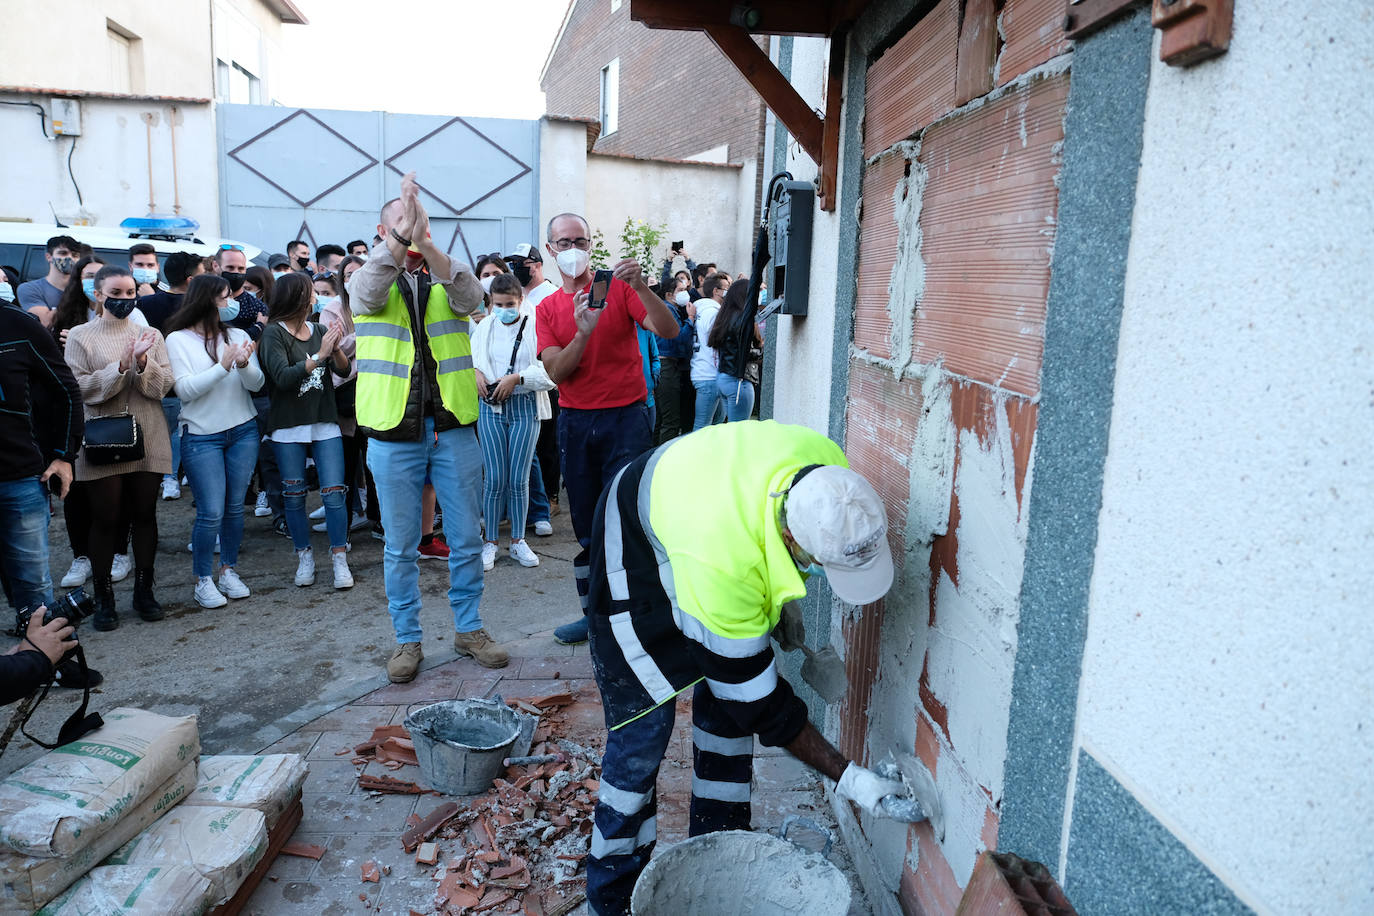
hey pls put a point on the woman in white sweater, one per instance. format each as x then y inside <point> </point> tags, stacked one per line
<point>512,383</point>
<point>216,371</point>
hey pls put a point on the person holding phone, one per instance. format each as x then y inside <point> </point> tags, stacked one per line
<point>299,359</point>
<point>592,353</point>
<point>122,368</point>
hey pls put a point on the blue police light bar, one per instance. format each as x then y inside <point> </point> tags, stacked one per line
<point>155,226</point>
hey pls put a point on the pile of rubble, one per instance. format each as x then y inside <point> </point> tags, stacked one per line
<point>519,848</point>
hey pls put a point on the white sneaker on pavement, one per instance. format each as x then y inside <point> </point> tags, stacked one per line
<point>78,574</point>
<point>320,526</point>
<point>488,554</point>
<point>262,509</point>
<point>120,567</point>
<point>305,567</point>
<point>359,523</point>
<point>170,488</point>
<point>318,513</point>
<point>207,595</point>
<point>342,577</point>
<point>521,553</point>
<point>192,546</point>
<point>543,528</point>
<point>231,584</point>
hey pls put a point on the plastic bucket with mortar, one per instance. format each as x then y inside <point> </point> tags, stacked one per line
<point>744,873</point>
<point>460,743</point>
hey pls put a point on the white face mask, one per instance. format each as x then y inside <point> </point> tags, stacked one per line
<point>682,298</point>
<point>486,283</point>
<point>573,262</point>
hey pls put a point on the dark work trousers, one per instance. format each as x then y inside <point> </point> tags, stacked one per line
<point>624,825</point>
<point>546,449</point>
<point>352,449</point>
<point>593,445</point>
<point>668,398</point>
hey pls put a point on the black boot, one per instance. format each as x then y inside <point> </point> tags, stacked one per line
<point>105,616</point>
<point>144,602</point>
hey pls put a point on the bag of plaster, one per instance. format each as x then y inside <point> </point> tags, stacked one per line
<point>269,783</point>
<point>28,882</point>
<point>66,799</point>
<point>223,844</point>
<point>133,890</point>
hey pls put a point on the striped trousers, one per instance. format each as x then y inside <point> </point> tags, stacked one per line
<point>625,821</point>
<point>508,439</point>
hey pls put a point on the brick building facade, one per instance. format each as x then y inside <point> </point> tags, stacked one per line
<point>678,97</point>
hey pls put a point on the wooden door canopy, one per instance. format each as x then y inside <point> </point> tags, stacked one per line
<point>724,22</point>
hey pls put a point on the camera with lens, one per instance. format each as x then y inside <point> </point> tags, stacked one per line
<point>76,606</point>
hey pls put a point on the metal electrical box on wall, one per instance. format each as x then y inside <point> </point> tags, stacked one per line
<point>789,241</point>
<point>66,117</point>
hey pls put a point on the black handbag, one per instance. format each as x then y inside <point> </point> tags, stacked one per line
<point>113,440</point>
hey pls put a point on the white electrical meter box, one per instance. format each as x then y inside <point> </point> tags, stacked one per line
<point>66,117</point>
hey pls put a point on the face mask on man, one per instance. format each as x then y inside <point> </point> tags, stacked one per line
<point>228,313</point>
<point>146,275</point>
<point>120,308</point>
<point>6,292</point>
<point>302,263</point>
<point>573,262</point>
<point>681,298</point>
<point>507,315</point>
<point>522,273</point>
<point>64,265</point>
<point>88,287</point>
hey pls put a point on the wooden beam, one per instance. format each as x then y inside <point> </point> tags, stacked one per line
<point>753,64</point>
<point>776,17</point>
<point>830,136</point>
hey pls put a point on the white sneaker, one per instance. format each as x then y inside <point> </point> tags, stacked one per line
<point>359,523</point>
<point>488,554</point>
<point>521,553</point>
<point>170,488</point>
<point>320,526</point>
<point>207,595</point>
<point>305,567</point>
<point>318,513</point>
<point>543,528</point>
<point>190,548</point>
<point>120,567</point>
<point>78,574</point>
<point>231,584</point>
<point>342,577</point>
<point>262,509</point>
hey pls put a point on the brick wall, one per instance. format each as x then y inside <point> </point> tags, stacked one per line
<point>679,96</point>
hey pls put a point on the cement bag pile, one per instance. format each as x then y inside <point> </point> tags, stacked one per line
<point>28,882</point>
<point>65,800</point>
<point>222,844</point>
<point>132,890</point>
<point>268,783</point>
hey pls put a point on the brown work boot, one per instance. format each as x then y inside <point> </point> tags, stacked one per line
<point>404,663</point>
<point>480,646</point>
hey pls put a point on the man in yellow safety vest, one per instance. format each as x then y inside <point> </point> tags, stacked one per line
<point>417,404</point>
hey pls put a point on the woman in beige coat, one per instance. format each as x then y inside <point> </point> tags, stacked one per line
<point>122,368</point>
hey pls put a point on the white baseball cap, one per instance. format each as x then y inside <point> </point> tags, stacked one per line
<point>837,517</point>
<point>525,250</point>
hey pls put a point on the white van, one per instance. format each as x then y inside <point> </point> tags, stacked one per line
<point>23,246</point>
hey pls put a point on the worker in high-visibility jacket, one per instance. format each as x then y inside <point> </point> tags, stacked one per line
<point>696,548</point>
<point>417,405</point>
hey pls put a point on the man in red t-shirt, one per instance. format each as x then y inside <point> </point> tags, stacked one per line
<point>593,355</point>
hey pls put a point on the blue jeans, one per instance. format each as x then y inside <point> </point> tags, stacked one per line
<point>593,446</point>
<point>220,466</point>
<point>710,410</point>
<point>738,396</point>
<point>451,459</point>
<point>24,547</point>
<point>539,499</point>
<point>507,440</point>
<point>329,464</point>
<point>171,411</point>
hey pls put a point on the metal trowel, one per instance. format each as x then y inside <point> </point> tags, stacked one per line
<point>922,801</point>
<point>824,672</point>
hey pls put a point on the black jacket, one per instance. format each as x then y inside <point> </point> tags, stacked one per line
<point>41,414</point>
<point>22,673</point>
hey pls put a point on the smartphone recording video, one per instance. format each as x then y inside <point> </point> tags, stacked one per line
<point>601,286</point>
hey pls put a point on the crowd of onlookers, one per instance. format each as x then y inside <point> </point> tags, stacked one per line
<point>380,373</point>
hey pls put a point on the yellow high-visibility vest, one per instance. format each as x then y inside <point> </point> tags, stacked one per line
<point>386,357</point>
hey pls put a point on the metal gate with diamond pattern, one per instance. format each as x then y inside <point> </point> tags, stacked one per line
<point>322,175</point>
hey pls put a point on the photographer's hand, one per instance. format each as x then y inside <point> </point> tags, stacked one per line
<point>53,639</point>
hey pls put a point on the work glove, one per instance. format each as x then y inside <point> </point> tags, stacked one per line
<point>867,789</point>
<point>791,629</point>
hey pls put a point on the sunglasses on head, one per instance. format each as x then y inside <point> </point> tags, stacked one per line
<point>228,247</point>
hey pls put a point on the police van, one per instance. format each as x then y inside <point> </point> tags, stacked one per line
<point>23,246</point>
